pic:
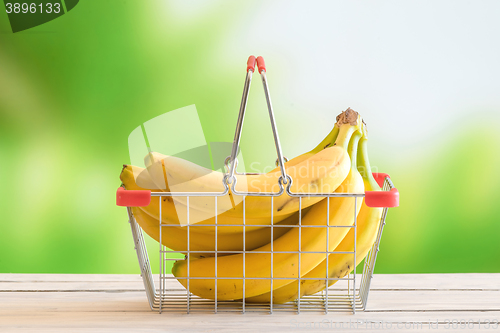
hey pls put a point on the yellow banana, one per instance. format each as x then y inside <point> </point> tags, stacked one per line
<point>368,223</point>
<point>320,170</point>
<point>175,237</point>
<point>155,165</point>
<point>174,208</point>
<point>260,263</point>
<point>325,143</point>
<point>176,213</point>
<point>339,264</point>
<point>201,238</point>
<point>156,168</point>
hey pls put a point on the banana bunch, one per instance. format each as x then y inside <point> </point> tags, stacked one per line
<point>281,259</point>
<point>325,171</point>
<point>268,235</point>
<point>201,238</point>
<point>329,166</point>
<point>338,265</point>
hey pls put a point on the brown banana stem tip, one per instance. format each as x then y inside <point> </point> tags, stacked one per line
<point>348,116</point>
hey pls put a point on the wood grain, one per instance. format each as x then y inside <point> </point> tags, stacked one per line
<point>112,303</point>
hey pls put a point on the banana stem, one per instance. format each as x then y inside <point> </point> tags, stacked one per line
<point>353,148</point>
<point>364,164</point>
<point>345,133</point>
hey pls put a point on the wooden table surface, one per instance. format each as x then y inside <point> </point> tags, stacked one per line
<point>118,303</point>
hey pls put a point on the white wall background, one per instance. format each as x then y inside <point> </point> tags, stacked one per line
<point>413,69</point>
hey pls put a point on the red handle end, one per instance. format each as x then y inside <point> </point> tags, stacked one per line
<point>131,198</point>
<point>382,198</point>
<point>251,63</point>
<point>380,178</point>
<point>261,64</point>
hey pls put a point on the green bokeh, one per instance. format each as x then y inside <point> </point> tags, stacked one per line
<point>72,90</point>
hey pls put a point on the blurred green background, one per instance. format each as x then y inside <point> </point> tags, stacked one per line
<point>425,77</point>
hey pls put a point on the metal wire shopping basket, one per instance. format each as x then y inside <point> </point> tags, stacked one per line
<point>350,293</point>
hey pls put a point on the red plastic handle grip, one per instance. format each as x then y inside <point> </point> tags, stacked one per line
<point>132,198</point>
<point>382,198</point>
<point>251,63</point>
<point>261,64</point>
<point>380,178</point>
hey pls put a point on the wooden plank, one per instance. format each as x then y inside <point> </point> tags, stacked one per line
<point>65,286</point>
<point>66,282</point>
<point>137,301</point>
<point>151,322</point>
<point>14,277</point>
<point>109,303</point>
<point>434,300</point>
<point>437,281</point>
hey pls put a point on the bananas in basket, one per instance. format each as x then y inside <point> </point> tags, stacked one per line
<point>271,241</point>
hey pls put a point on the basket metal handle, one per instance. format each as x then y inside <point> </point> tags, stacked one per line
<point>241,115</point>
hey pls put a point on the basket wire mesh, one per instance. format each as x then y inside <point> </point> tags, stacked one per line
<point>349,294</point>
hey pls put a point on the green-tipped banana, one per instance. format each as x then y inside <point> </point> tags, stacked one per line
<point>339,264</point>
<point>320,170</point>
<point>259,263</point>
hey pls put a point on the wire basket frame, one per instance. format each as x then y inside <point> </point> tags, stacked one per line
<point>350,293</point>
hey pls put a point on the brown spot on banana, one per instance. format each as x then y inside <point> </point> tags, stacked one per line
<point>292,199</point>
<point>313,183</point>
